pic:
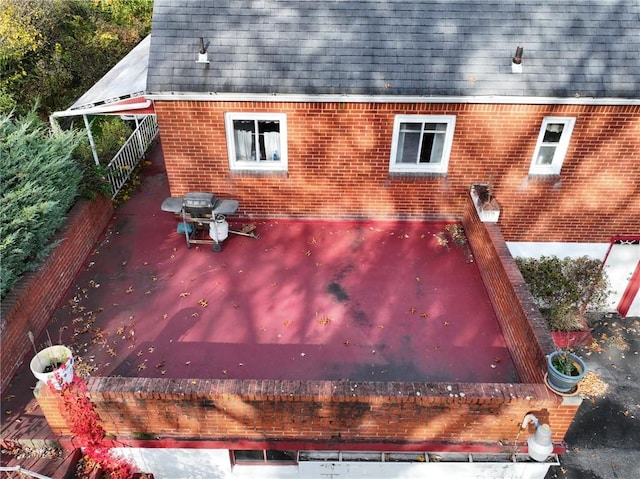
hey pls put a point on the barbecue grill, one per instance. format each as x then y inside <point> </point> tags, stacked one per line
<point>199,212</point>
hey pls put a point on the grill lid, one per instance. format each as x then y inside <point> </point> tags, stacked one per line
<point>199,200</point>
<point>198,203</point>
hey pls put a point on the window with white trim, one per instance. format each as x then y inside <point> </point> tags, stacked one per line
<point>421,143</point>
<point>257,141</point>
<point>252,457</point>
<point>552,145</point>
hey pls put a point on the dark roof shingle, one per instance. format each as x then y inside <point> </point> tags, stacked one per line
<point>375,47</point>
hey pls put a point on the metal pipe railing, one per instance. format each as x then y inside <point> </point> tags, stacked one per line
<point>126,159</point>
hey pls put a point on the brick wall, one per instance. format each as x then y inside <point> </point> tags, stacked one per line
<point>319,412</point>
<point>342,412</point>
<point>339,161</point>
<point>526,333</point>
<point>32,301</point>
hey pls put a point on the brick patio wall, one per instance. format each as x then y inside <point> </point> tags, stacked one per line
<point>339,153</point>
<point>339,413</point>
<point>320,412</point>
<point>32,301</point>
<point>525,331</point>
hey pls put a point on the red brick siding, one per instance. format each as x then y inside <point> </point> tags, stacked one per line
<point>524,330</point>
<point>339,160</point>
<point>32,301</point>
<point>317,411</point>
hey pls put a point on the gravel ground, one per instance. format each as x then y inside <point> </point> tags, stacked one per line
<point>604,439</point>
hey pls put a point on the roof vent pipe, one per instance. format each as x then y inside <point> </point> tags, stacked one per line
<point>202,53</point>
<point>516,61</point>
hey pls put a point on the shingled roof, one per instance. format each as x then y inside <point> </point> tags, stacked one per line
<point>574,48</point>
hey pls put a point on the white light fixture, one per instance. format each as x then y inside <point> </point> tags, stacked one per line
<point>539,443</point>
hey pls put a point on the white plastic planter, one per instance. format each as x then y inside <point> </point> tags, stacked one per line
<point>53,365</point>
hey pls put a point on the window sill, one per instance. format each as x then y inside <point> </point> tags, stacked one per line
<point>258,174</point>
<point>415,175</point>
<point>543,178</point>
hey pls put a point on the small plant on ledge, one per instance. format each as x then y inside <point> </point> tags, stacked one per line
<point>486,205</point>
<point>84,423</point>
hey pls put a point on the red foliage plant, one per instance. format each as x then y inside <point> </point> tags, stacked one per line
<point>84,424</point>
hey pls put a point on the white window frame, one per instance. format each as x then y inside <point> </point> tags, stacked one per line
<point>561,146</point>
<point>442,167</point>
<point>262,165</point>
<point>265,461</point>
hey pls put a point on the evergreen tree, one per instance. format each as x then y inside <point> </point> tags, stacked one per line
<point>39,182</point>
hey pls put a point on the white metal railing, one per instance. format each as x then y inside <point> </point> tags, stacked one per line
<point>123,163</point>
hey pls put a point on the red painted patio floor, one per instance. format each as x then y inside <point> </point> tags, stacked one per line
<point>321,300</point>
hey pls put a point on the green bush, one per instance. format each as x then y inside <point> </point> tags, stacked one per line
<point>109,134</point>
<point>565,289</point>
<point>39,182</point>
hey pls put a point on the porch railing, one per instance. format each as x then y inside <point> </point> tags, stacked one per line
<point>127,158</point>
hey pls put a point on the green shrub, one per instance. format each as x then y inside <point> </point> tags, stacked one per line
<point>39,183</point>
<point>109,134</point>
<point>565,289</point>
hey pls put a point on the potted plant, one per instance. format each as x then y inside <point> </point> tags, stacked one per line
<point>53,365</point>
<point>564,371</point>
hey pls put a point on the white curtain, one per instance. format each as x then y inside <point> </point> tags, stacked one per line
<point>244,139</point>
<point>272,145</point>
